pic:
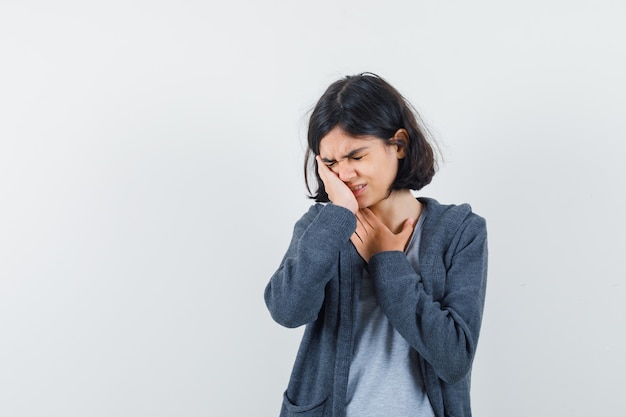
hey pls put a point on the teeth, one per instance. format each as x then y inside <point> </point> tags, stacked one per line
<point>358,187</point>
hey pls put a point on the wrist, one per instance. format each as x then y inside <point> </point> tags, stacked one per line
<point>352,206</point>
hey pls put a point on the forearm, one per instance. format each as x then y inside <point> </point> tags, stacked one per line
<point>295,293</point>
<point>444,331</point>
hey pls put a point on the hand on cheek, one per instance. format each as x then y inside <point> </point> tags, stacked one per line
<point>338,192</point>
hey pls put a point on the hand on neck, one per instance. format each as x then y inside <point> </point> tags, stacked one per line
<point>395,209</point>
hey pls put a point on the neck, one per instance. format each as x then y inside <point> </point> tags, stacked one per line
<point>394,210</point>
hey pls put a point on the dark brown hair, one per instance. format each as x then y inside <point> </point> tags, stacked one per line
<point>367,105</point>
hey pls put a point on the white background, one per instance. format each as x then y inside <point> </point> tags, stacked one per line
<point>150,174</point>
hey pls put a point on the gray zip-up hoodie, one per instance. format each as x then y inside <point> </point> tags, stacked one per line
<point>437,309</point>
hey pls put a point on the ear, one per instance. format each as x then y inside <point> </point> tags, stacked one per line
<point>401,139</point>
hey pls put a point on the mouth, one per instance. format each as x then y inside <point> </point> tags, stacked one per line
<point>358,189</point>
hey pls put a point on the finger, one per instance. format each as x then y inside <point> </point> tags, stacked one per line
<point>356,237</point>
<point>372,218</point>
<point>359,246</point>
<point>365,217</point>
<point>360,226</point>
<point>322,169</point>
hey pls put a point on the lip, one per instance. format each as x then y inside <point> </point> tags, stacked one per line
<point>358,189</point>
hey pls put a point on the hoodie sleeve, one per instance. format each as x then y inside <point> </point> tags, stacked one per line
<point>295,293</point>
<point>444,331</point>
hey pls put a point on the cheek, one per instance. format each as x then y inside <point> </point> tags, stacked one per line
<point>391,174</point>
<point>391,167</point>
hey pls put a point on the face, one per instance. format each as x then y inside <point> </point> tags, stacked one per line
<point>366,164</point>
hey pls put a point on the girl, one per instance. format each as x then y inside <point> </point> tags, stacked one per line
<point>390,287</point>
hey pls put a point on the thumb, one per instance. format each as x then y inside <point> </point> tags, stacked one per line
<point>407,227</point>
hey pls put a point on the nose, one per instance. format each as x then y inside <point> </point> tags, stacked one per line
<point>345,172</point>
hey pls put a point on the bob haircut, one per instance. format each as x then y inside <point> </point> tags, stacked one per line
<point>366,105</point>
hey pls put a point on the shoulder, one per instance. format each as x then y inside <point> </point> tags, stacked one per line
<point>449,213</point>
<point>448,220</point>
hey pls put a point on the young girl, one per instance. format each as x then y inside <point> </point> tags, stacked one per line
<point>390,287</point>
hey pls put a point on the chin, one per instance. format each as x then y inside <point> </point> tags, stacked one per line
<point>365,204</point>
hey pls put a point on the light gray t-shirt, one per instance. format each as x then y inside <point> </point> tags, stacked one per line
<point>385,378</point>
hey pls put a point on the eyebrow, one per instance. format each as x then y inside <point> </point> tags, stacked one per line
<point>348,155</point>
